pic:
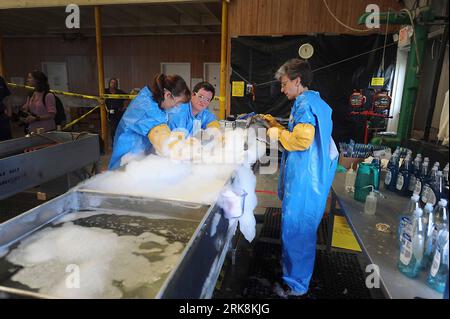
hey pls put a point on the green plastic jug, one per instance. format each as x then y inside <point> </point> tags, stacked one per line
<point>366,175</point>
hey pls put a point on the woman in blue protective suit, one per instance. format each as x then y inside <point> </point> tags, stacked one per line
<point>143,128</point>
<point>306,173</point>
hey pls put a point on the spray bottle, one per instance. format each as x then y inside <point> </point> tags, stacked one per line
<point>370,206</point>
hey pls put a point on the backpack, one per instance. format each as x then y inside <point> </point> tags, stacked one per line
<point>60,116</point>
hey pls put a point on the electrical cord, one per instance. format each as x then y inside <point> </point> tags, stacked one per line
<point>384,46</point>
<point>323,67</point>
<point>342,23</point>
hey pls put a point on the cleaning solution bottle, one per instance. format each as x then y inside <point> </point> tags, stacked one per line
<point>411,251</point>
<point>370,206</point>
<point>414,175</point>
<point>432,189</point>
<point>422,178</point>
<point>350,177</point>
<point>438,275</point>
<point>428,224</point>
<point>405,220</point>
<point>445,182</point>
<point>390,179</point>
<point>435,225</point>
<point>402,184</point>
<point>440,214</point>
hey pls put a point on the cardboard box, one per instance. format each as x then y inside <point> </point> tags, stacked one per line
<point>347,161</point>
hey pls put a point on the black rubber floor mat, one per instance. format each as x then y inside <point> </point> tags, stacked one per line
<point>272,226</point>
<point>272,223</point>
<point>322,232</point>
<point>336,275</point>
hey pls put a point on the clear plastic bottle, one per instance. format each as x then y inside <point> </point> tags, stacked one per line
<point>350,177</point>
<point>445,173</point>
<point>439,220</point>
<point>405,220</point>
<point>411,251</point>
<point>370,206</point>
<point>426,185</point>
<point>438,275</point>
<point>414,175</point>
<point>422,178</point>
<point>428,224</point>
<point>434,190</point>
<point>441,214</point>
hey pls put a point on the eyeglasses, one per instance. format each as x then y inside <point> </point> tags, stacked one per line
<point>201,97</point>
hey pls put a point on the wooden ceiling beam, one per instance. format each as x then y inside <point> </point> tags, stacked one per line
<point>11,4</point>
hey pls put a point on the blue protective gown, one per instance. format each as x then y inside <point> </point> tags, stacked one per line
<point>182,119</point>
<point>142,115</point>
<point>304,183</point>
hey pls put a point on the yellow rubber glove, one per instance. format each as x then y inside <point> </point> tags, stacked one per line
<point>158,137</point>
<point>299,139</point>
<point>186,150</point>
<point>214,124</point>
<point>164,140</point>
<point>272,121</point>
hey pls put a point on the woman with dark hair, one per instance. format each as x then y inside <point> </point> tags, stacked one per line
<point>41,113</point>
<point>143,128</point>
<point>306,173</point>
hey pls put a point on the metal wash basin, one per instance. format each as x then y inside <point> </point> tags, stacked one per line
<point>202,229</point>
<point>33,160</point>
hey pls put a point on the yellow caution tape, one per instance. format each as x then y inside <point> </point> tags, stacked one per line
<point>80,118</point>
<point>14,85</point>
<point>91,97</point>
<point>119,96</point>
<point>132,96</point>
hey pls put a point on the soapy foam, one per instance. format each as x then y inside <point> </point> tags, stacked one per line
<point>159,177</point>
<point>109,265</point>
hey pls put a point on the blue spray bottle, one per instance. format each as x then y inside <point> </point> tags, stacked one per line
<point>411,251</point>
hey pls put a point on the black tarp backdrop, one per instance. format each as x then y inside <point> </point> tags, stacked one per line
<point>256,59</point>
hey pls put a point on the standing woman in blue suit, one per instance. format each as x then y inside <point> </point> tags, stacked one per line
<point>306,173</point>
<point>143,128</point>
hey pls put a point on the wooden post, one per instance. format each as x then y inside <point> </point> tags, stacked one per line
<point>101,76</point>
<point>223,60</point>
